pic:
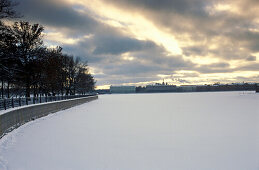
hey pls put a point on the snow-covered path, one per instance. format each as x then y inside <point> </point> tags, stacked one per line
<point>187,131</point>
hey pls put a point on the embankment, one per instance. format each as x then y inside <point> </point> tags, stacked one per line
<point>19,116</point>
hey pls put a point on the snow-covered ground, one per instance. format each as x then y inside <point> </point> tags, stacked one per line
<point>186,131</point>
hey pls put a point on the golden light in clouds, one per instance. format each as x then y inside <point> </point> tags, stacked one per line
<point>60,38</point>
<point>218,49</point>
<point>127,57</point>
<point>102,87</point>
<point>134,24</point>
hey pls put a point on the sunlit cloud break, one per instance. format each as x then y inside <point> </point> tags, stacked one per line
<point>141,42</point>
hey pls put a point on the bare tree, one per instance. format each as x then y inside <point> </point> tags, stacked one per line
<point>7,57</point>
<point>84,81</point>
<point>29,42</point>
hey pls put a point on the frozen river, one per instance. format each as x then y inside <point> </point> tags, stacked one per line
<point>185,131</point>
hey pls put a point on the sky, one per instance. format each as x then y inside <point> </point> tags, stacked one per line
<point>140,42</point>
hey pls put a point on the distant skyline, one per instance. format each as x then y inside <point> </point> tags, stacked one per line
<point>139,42</point>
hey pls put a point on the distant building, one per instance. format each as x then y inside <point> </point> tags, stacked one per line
<point>161,88</point>
<point>102,91</point>
<point>123,89</point>
<point>188,88</point>
<point>257,88</point>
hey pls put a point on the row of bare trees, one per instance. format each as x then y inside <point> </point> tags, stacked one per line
<point>28,67</point>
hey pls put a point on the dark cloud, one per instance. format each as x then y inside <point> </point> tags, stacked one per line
<point>215,68</point>
<point>182,81</point>
<point>117,44</point>
<point>118,80</point>
<point>195,50</point>
<point>178,6</point>
<point>148,58</point>
<point>249,39</point>
<point>251,58</point>
<point>247,79</point>
<point>56,14</point>
<point>249,67</point>
<point>108,47</point>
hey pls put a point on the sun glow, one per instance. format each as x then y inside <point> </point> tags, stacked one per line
<point>133,24</point>
<point>60,38</point>
<point>127,57</point>
<point>222,7</point>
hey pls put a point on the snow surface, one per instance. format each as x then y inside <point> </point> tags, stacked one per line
<point>185,131</point>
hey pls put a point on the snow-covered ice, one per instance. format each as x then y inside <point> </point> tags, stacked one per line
<point>185,131</point>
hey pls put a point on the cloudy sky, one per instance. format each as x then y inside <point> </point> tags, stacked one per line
<point>138,42</point>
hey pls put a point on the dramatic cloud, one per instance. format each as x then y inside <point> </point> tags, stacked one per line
<point>145,41</point>
<point>57,14</point>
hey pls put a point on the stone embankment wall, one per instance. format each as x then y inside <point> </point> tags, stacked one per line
<point>17,117</point>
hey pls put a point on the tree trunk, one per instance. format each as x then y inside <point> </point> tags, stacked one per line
<point>28,92</point>
<point>2,88</point>
<point>62,92</point>
<point>34,91</point>
<point>8,89</point>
